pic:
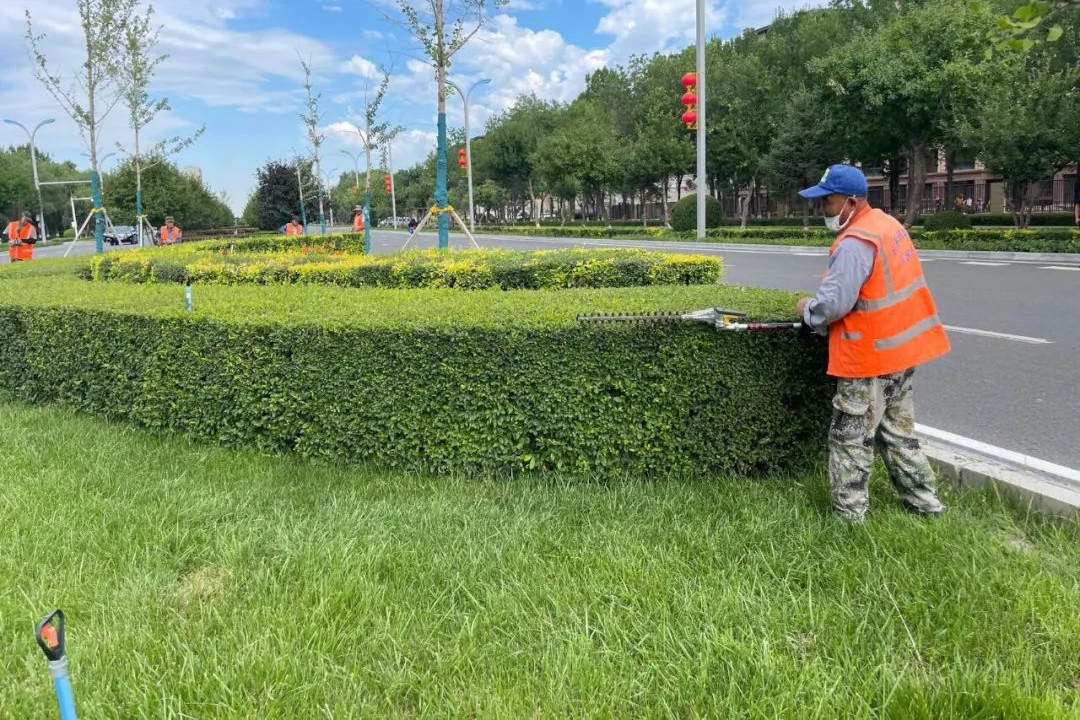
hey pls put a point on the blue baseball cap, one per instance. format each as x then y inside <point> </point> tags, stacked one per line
<point>838,180</point>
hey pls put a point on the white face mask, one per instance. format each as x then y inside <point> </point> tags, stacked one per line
<point>833,221</point>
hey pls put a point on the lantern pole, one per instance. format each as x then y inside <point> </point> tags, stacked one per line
<point>701,185</point>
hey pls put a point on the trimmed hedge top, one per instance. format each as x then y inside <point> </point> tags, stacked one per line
<point>466,270</point>
<point>296,305</point>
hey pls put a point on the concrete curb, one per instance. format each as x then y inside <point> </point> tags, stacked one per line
<point>970,470</point>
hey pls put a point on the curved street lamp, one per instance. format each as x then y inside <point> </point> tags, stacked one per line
<point>32,134</point>
<point>468,143</point>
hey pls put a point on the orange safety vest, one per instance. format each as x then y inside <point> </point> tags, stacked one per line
<point>294,229</point>
<point>20,251</point>
<point>168,238</point>
<point>894,325</point>
<point>358,222</point>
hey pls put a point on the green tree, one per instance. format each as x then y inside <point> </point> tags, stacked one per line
<point>277,194</point>
<point>167,191</point>
<point>1027,130</point>
<point>97,88</point>
<point>17,186</point>
<point>507,153</point>
<point>914,75</point>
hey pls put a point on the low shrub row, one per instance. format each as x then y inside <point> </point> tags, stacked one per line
<point>1055,240</point>
<point>467,270</point>
<point>428,380</point>
<point>580,231</point>
<point>1047,239</point>
<point>1061,219</point>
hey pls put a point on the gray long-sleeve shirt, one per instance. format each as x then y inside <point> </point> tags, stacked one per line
<point>849,269</point>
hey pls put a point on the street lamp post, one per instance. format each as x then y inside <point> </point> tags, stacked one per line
<point>356,166</point>
<point>468,143</point>
<point>701,184</point>
<point>33,163</point>
<point>101,164</point>
<point>393,185</point>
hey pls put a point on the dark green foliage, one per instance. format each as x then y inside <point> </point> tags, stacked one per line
<point>166,191</point>
<point>946,220</point>
<point>684,213</point>
<point>277,195</point>
<point>428,380</point>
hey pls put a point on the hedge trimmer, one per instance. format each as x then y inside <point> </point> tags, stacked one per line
<point>719,318</point>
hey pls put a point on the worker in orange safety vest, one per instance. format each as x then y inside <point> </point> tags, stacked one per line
<point>294,228</point>
<point>22,234</point>
<point>170,233</point>
<point>881,320</point>
<point>358,219</point>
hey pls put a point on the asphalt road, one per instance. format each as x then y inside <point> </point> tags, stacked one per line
<point>1013,378</point>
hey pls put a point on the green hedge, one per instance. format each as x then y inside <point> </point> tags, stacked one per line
<point>684,213</point>
<point>946,220</point>
<point>580,231</point>
<point>428,380</point>
<point>1037,220</point>
<point>469,270</point>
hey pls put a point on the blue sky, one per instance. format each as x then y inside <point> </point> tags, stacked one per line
<point>233,65</point>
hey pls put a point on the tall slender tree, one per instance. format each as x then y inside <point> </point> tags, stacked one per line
<point>311,122</point>
<point>443,27</point>
<point>137,64</point>
<point>90,98</point>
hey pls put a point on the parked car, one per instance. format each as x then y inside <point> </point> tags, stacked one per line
<point>122,234</point>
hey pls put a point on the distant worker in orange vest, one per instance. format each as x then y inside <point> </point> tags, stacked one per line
<point>358,219</point>
<point>882,322</point>
<point>170,234</point>
<point>22,234</point>
<point>294,228</point>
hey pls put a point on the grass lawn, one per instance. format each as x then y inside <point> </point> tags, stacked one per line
<point>206,583</point>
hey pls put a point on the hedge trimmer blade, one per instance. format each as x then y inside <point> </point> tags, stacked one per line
<point>720,318</point>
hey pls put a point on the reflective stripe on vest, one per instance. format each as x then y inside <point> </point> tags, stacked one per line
<point>894,324</point>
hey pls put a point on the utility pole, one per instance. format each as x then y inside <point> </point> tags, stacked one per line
<point>702,185</point>
<point>468,142</point>
<point>393,185</point>
<point>356,167</point>
<point>33,163</point>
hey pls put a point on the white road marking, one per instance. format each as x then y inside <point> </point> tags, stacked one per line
<point>1000,453</point>
<point>980,262</point>
<point>1059,267</point>
<point>999,335</point>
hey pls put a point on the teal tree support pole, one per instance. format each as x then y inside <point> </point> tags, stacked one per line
<point>441,197</point>
<point>99,211</point>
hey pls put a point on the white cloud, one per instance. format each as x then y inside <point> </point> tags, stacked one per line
<point>360,66</point>
<point>374,35</point>
<point>518,60</point>
<point>757,13</point>
<point>648,26</point>
<point>332,8</point>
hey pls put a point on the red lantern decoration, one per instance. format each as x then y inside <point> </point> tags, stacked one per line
<point>461,158</point>
<point>689,80</point>
<point>690,118</point>
<point>389,183</point>
<point>689,99</point>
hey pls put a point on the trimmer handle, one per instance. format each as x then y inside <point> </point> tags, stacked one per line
<point>50,635</point>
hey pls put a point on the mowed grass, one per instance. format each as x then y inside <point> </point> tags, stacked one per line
<point>205,583</point>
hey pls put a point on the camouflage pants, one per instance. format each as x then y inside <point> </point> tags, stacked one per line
<point>877,412</point>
